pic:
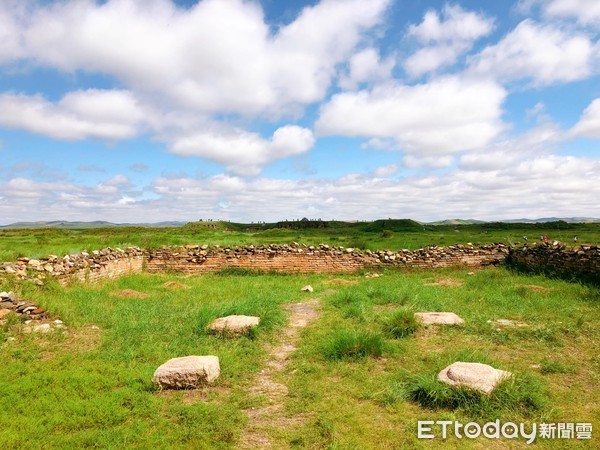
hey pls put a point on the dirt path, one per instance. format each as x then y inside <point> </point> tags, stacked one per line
<point>261,420</point>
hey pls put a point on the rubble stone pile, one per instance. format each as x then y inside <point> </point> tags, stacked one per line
<point>10,303</point>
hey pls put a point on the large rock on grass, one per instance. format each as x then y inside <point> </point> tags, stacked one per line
<point>476,376</point>
<point>233,324</point>
<point>187,372</point>
<point>439,318</point>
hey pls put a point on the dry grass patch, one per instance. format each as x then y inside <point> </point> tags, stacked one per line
<point>534,287</point>
<point>445,282</point>
<point>129,293</point>
<point>175,285</point>
<point>342,282</point>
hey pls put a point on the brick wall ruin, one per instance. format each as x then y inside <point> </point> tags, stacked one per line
<point>578,263</point>
<point>296,258</point>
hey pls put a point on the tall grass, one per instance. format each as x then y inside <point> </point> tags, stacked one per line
<point>344,344</point>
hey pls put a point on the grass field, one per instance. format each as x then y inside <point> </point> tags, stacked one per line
<point>382,234</point>
<point>354,381</point>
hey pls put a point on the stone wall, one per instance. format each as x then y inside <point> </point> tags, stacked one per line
<point>579,263</point>
<point>297,258</point>
<point>99,264</point>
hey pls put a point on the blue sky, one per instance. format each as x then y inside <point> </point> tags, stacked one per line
<point>151,110</point>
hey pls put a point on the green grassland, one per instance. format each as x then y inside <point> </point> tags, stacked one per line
<point>364,371</point>
<point>361,378</point>
<point>380,234</point>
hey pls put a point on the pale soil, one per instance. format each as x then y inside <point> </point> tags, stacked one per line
<point>267,387</point>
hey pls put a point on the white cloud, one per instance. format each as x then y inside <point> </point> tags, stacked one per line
<point>203,67</point>
<point>449,38</point>
<point>217,56</point>
<point>11,13</point>
<point>385,171</point>
<point>429,162</point>
<point>93,113</point>
<point>543,54</point>
<point>585,11</point>
<point>366,66</point>
<point>244,152</point>
<point>540,185</point>
<point>509,152</point>
<point>445,115</point>
<point>589,123</point>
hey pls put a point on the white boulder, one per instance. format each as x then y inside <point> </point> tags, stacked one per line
<point>477,376</point>
<point>439,318</point>
<point>233,324</point>
<point>187,372</point>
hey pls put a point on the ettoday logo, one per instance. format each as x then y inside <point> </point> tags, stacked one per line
<point>428,429</point>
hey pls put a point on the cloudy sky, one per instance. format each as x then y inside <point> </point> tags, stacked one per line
<point>246,110</point>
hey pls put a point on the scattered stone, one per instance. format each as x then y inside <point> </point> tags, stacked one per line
<point>470,273</point>
<point>476,376</point>
<point>233,324</point>
<point>4,313</point>
<point>187,372</point>
<point>507,323</point>
<point>129,293</point>
<point>439,318</point>
<point>42,327</point>
<point>373,275</point>
<point>307,288</point>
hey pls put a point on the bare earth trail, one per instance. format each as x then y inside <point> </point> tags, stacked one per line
<point>272,415</point>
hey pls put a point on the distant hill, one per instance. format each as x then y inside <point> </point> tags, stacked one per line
<point>456,222</point>
<point>399,225</point>
<point>94,224</point>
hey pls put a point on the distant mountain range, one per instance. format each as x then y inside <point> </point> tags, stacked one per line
<point>555,219</point>
<point>541,220</point>
<point>94,224</point>
<point>104,224</point>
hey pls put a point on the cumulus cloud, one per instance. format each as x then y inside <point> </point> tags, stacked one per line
<point>447,38</point>
<point>366,66</point>
<point>585,11</point>
<point>543,54</point>
<point>11,13</point>
<point>464,192</point>
<point>427,162</point>
<point>204,67</point>
<point>385,171</point>
<point>102,114</point>
<point>218,56</point>
<point>589,123</point>
<point>445,115</point>
<point>244,152</point>
<point>509,152</point>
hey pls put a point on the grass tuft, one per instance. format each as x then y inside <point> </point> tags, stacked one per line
<point>521,394</point>
<point>400,323</point>
<point>343,344</point>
